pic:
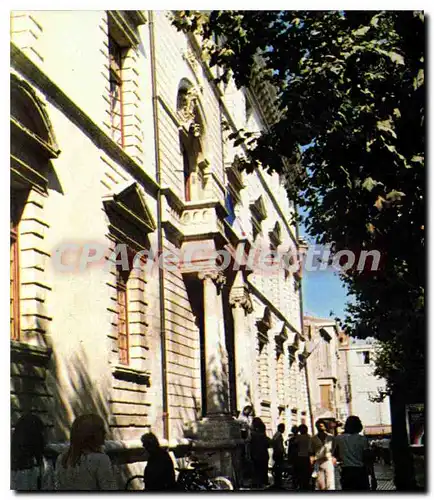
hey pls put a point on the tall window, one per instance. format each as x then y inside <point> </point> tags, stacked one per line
<point>116,98</point>
<point>122,303</point>
<point>187,173</point>
<point>14,284</point>
<point>326,397</point>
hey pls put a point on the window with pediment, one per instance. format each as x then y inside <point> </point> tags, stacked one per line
<point>130,222</point>
<point>33,146</point>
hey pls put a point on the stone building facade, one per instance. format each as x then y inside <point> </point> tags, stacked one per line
<point>119,139</point>
<point>366,387</point>
<point>326,365</point>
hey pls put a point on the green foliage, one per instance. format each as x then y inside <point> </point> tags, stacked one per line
<point>350,88</point>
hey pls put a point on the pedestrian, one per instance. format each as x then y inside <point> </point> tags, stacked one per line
<point>292,453</point>
<point>322,448</point>
<point>246,419</point>
<point>29,469</point>
<point>85,466</point>
<point>159,472</point>
<point>259,444</point>
<point>303,465</point>
<point>278,455</point>
<point>292,446</point>
<point>352,450</point>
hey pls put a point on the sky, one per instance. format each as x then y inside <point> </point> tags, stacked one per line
<point>323,291</point>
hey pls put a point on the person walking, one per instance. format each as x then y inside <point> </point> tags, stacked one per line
<point>159,472</point>
<point>278,455</point>
<point>352,450</point>
<point>292,453</point>
<point>245,419</point>
<point>29,469</point>
<point>85,466</point>
<point>259,444</point>
<point>302,465</point>
<point>322,449</point>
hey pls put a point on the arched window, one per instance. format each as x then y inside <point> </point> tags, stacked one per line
<point>191,139</point>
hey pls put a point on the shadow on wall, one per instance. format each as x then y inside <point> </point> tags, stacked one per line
<point>59,391</point>
<point>221,385</point>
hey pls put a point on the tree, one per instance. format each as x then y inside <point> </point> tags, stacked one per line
<point>350,99</point>
<point>351,105</point>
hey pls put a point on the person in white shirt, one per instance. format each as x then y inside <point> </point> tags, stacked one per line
<point>322,447</point>
<point>352,450</point>
<point>84,466</point>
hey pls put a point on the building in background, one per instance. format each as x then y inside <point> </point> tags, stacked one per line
<point>120,136</point>
<point>326,370</point>
<point>341,381</point>
<point>365,387</point>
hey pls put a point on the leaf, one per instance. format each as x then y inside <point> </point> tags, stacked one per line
<point>370,227</point>
<point>369,183</point>
<point>419,80</point>
<point>418,159</point>
<point>374,20</point>
<point>396,58</point>
<point>386,125</point>
<point>361,31</point>
<point>394,195</point>
<point>379,203</point>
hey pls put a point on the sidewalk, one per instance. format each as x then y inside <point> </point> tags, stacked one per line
<point>384,475</point>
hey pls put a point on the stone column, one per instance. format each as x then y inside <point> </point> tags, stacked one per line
<point>216,357</point>
<point>242,305</point>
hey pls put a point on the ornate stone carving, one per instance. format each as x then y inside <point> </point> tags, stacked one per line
<point>192,61</point>
<point>241,299</point>
<point>217,277</point>
<point>188,112</point>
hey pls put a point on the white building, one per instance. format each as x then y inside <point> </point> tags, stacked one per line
<point>365,387</point>
<point>326,366</point>
<point>119,136</point>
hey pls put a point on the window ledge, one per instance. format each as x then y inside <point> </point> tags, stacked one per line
<point>129,374</point>
<point>21,351</point>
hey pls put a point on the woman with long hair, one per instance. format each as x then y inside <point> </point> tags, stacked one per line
<point>29,470</point>
<point>259,444</point>
<point>352,450</point>
<point>85,466</point>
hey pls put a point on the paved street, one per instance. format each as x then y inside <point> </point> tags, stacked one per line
<point>384,475</point>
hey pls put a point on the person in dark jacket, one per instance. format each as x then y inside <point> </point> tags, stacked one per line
<point>259,444</point>
<point>159,472</point>
<point>278,455</point>
<point>302,464</point>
